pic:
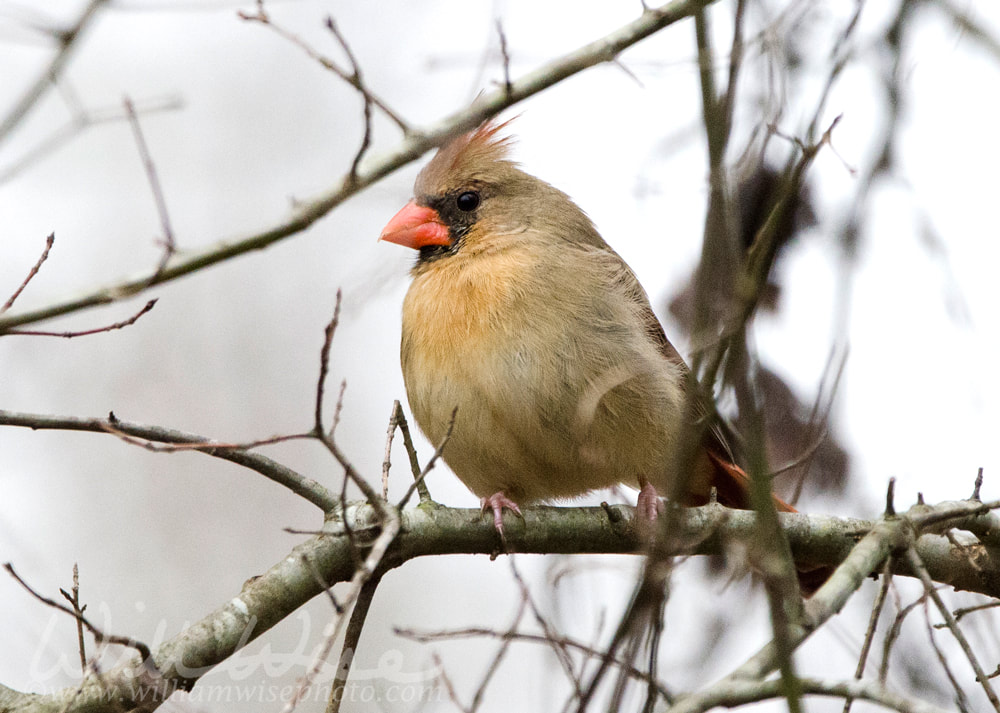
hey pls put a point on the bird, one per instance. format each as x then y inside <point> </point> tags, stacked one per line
<point>531,339</point>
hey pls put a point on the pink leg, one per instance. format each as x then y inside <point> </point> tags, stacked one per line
<point>497,502</point>
<point>648,506</point>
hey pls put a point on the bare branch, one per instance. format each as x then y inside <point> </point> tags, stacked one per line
<point>266,600</point>
<point>960,698</point>
<point>398,420</point>
<point>81,120</point>
<point>959,613</point>
<point>74,601</point>
<point>86,332</point>
<point>883,591</point>
<point>560,649</point>
<point>31,273</point>
<point>894,631</point>
<point>169,244</point>
<point>362,576</point>
<point>563,642</point>
<point>433,460</point>
<point>978,485</point>
<point>101,637</point>
<point>154,447</point>
<point>358,82</point>
<point>353,79</point>
<point>504,57</point>
<point>411,452</point>
<point>324,364</point>
<point>886,537</point>
<point>67,42</point>
<point>921,571</point>
<point>414,145</point>
<point>305,487</point>
<point>351,638</point>
<point>736,693</point>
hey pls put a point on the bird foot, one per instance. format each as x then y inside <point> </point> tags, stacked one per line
<point>497,502</point>
<point>649,506</point>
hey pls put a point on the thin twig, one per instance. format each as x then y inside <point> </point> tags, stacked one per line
<point>305,487</point>
<point>653,687</point>
<point>728,100</point>
<point>74,601</point>
<point>357,81</point>
<point>31,273</point>
<point>960,698</point>
<point>978,485</point>
<point>560,649</point>
<point>739,693</point>
<point>351,638</point>
<point>87,332</point>
<point>324,363</point>
<point>820,415</point>
<point>261,17</point>
<point>893,634</point>
<point>387,459</point>
<point>168,242</point>
<point>505,642</point>
<point>153,446</point>
<point>504,57</point>
<point>362,574</point>
<point>430,463</point>
<point>543,639</point>
<point>411,452</point>
<point>449,687</point>
<point>76,125</point>
<point>959,613</point>
<point>50,75</point>
<point>101,637</point>
<point>913,559</point>
<point>338,407</point>
<point>883,591</point>
<point>414,145</point>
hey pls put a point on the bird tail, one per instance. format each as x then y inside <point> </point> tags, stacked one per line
<point>732,486</point>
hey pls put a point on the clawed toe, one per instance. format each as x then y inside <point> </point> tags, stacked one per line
<point>649,506</point>
<point>497,502</point>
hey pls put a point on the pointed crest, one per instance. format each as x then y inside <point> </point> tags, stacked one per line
<point>466,157</point>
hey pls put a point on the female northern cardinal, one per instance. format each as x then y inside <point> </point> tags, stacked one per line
<point>522,317</point>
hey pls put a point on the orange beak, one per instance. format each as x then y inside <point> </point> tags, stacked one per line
<point>416,227</point>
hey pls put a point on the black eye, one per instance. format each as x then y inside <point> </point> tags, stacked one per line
<point>467,201</point>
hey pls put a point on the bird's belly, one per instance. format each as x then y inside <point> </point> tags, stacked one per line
<point>535,428</point>
<point>539,414</point>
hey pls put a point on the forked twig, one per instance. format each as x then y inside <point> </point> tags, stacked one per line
<point>102,638</point>
<point>264,19</point>
<point>913,559</point>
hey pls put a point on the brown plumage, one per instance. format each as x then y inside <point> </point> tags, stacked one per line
<point>522,317</point>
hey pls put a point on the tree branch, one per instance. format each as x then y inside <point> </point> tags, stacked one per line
<point>67,42</point>
<point>435,530</point>
<point>307,488</point>
<point>412,147</point>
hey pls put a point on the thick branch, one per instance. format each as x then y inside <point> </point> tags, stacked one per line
<point>436,530</point>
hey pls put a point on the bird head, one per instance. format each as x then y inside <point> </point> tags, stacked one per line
<point>472,195</point>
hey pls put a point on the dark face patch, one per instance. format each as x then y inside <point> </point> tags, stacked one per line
<point>458,209</point>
